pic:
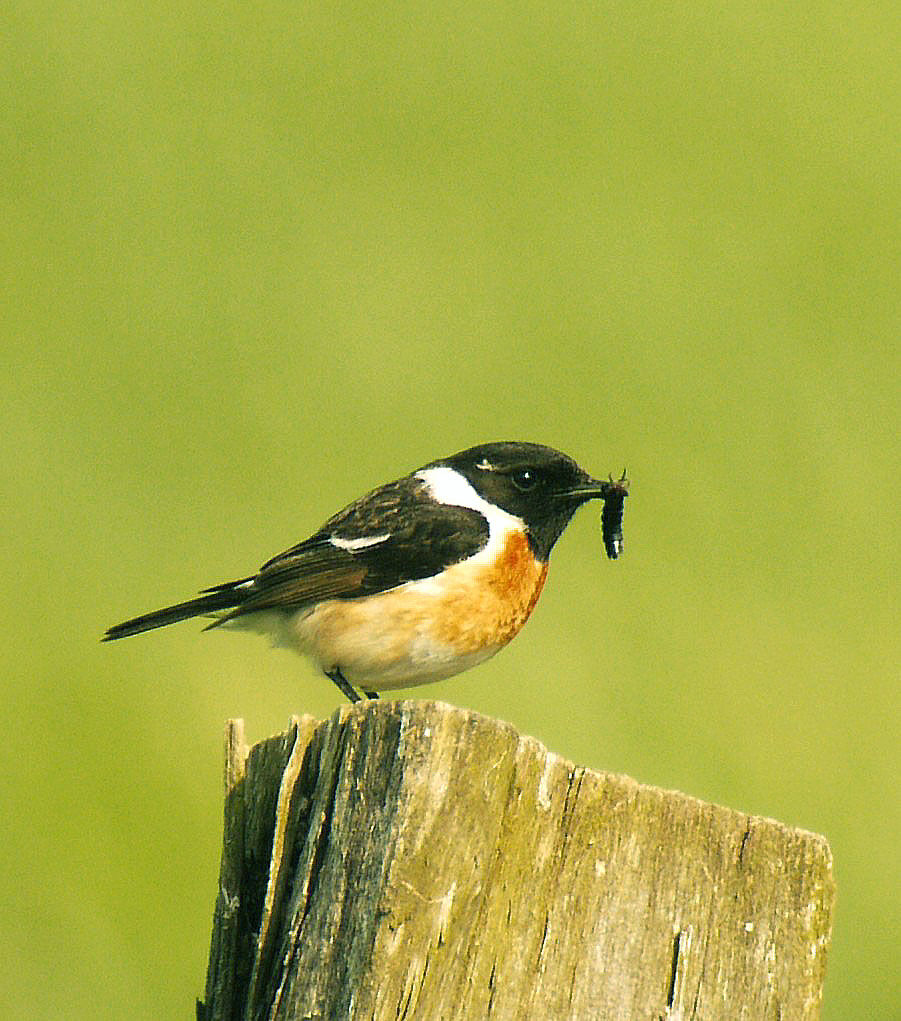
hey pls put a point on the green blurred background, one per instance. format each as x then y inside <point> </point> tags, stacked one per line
<point>259,258</point>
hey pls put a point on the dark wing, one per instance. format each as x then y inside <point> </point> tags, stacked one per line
<point>391,536</point>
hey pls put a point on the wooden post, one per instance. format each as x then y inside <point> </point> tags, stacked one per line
<point>410,860</point>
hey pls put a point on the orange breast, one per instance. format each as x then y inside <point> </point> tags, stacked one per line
<point>427,629</point>
<point>488,606</point>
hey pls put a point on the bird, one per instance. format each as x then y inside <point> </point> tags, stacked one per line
<point>418,580</point>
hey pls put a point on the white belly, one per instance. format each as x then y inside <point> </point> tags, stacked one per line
<point>380,643</point>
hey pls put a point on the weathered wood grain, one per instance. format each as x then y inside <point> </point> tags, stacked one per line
<point>411,860</point>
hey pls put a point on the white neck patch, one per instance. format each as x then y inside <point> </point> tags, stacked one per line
<point>446,485</point>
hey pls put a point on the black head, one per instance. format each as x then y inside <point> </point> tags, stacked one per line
<point>536,483</point>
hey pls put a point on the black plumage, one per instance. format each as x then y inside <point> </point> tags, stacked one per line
<point>421,539</point>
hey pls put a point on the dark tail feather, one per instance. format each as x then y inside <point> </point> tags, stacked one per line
<point>223,597</point>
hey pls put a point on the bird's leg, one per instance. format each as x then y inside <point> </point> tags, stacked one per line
<point>342,682</point>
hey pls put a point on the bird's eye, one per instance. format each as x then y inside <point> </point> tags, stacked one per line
<point>524,479</point>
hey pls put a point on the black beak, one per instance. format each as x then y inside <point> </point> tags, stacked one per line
<point>590,489</point>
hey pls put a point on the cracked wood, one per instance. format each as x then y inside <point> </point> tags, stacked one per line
<point>414,861</point>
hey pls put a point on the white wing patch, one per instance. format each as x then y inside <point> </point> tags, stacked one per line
<point>352,545</point>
